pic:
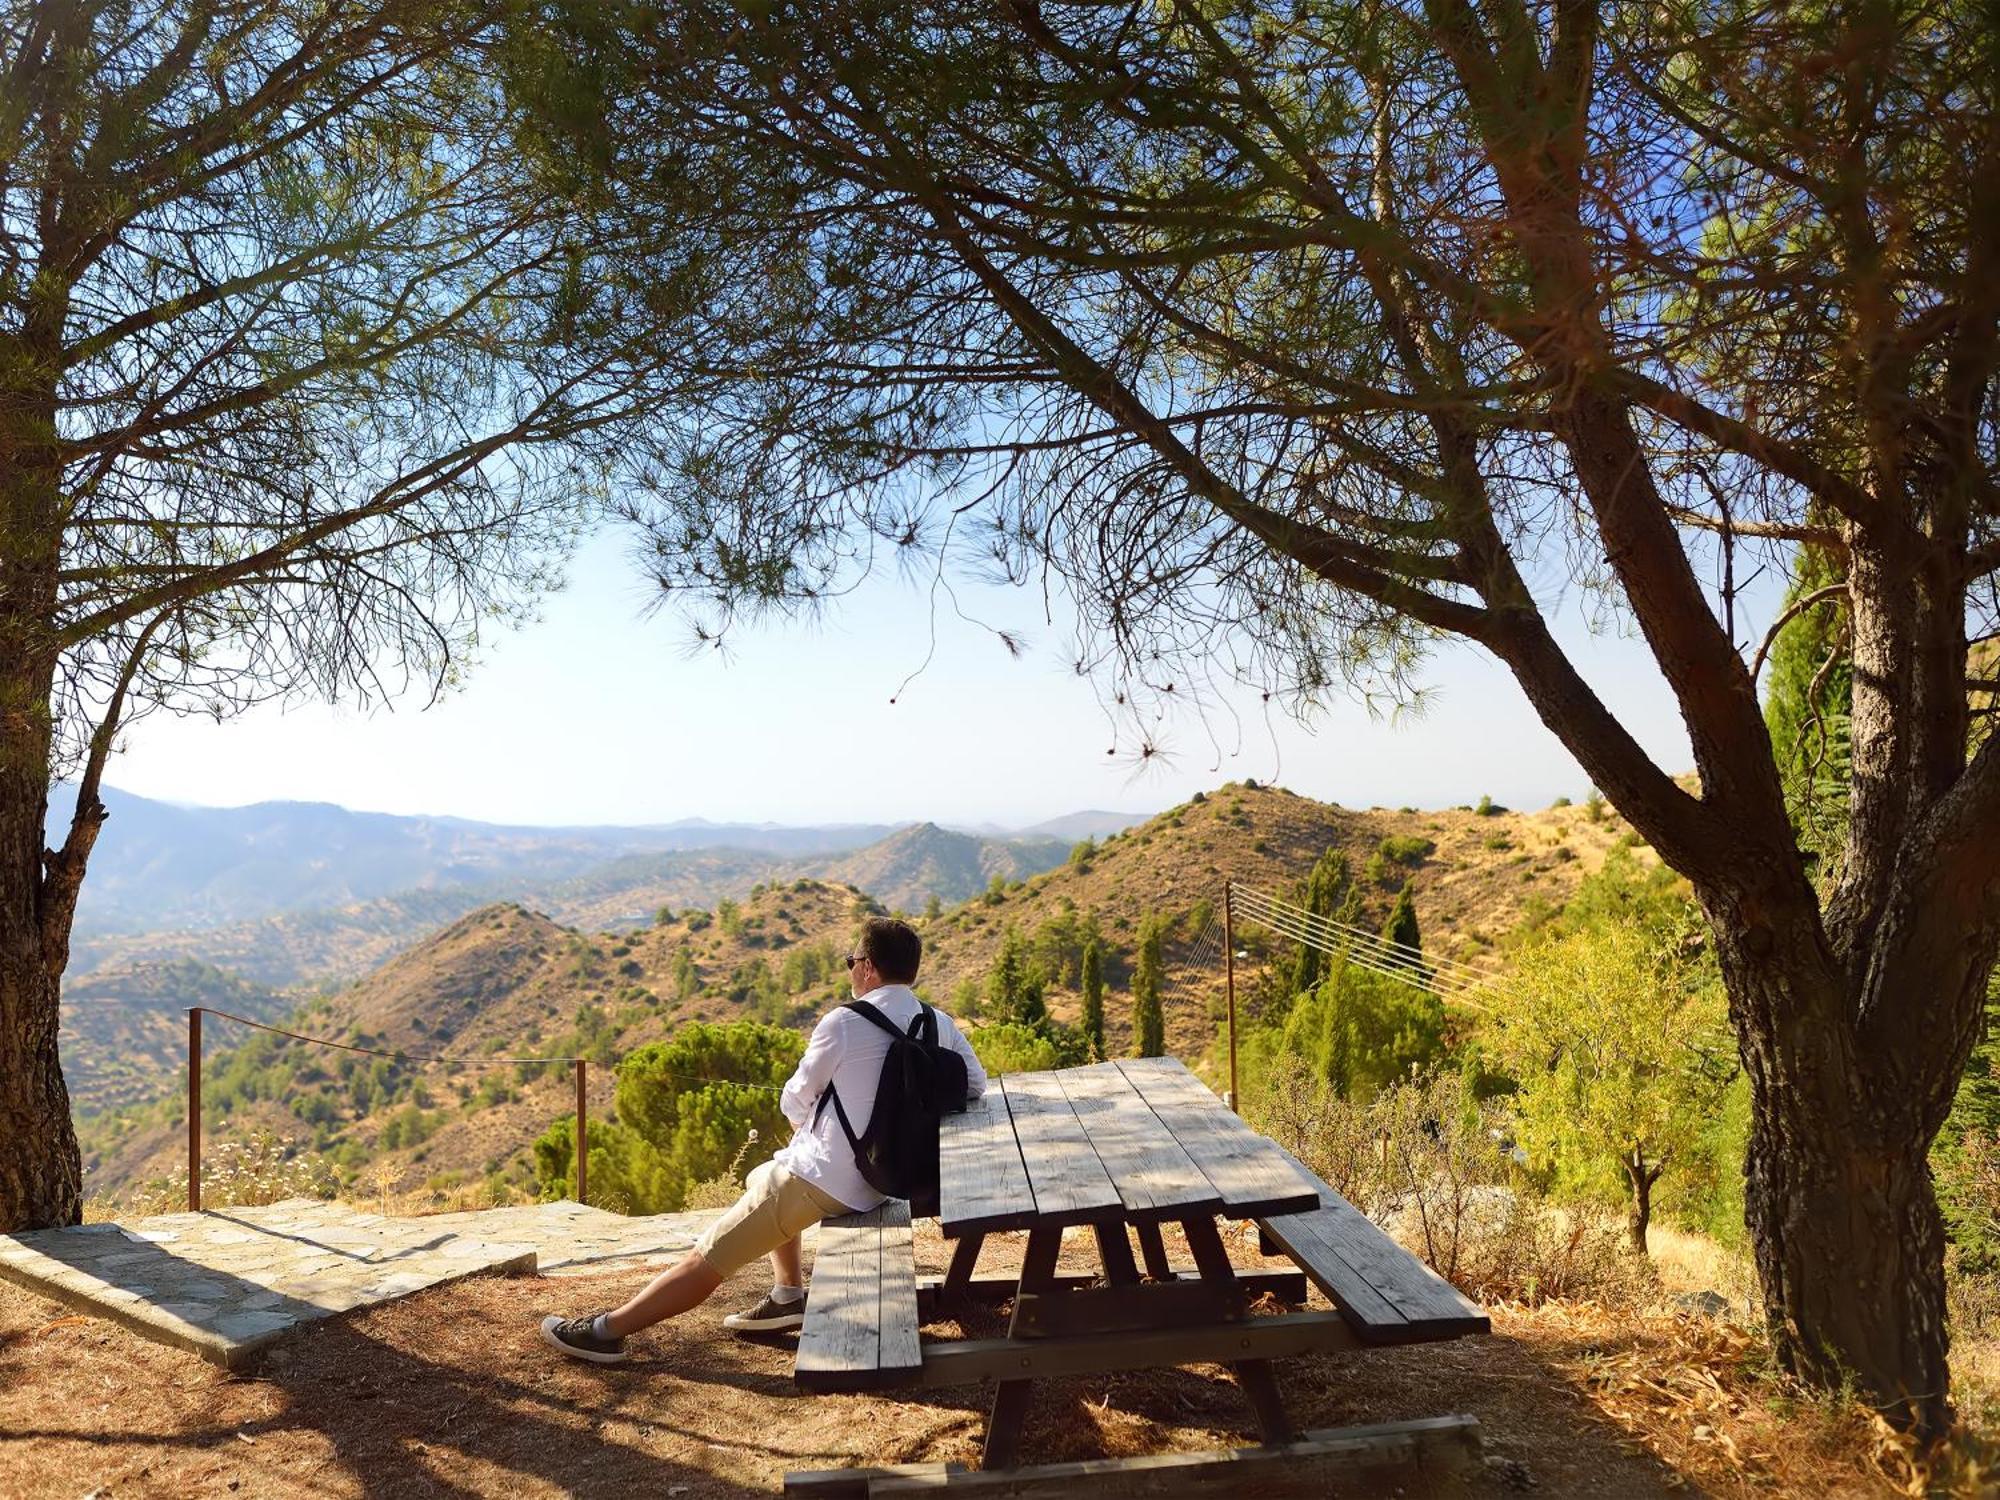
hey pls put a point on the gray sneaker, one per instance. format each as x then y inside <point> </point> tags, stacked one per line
<point>767,1316</point>
<point>574,1337</point>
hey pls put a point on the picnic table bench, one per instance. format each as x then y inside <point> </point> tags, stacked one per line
<point>1122,1148</point>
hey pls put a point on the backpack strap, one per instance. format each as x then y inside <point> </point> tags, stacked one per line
<point>874,1017</point>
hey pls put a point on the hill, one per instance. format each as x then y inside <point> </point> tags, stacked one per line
<point>500,981</point>
<point>124,1031</point>
<point>1476,877</point>
<point>925,862</point>
<point>508,981</point>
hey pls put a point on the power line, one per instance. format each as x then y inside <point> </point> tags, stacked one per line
<point>1395,963</point>
<point>1334,929</point>
<point>1330,931</point>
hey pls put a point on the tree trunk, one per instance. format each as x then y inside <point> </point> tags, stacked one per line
<point>41,1172</point>
<point>1843,1222</point>
<point>40,1168</point>
<point>1850,1251</point>
<point>1640,1215</point>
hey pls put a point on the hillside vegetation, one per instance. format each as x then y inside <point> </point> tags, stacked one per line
<point>508,981</point>
<point>124,1030</point>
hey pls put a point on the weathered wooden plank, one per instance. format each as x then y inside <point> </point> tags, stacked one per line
<point>1010,1397</point>
<point>968,1361</point>
<point>1386,1293</point>
<point>1069,1182</point>
<point>841,1342</point>
<point>1329,1461</point>
<point>1155,1177</point>
<point>933,1298</point>
<point>1251,1174</point>
<point>861,1319</point>
<point>901,1348</point>
<point>852,1484</point>
<point>982,1181</point>
<point>1121,1309</point>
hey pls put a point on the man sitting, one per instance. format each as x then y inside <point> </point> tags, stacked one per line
<point>814,1177</point>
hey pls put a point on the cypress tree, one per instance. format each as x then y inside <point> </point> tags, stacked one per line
<point>1149,1022</point>
<point>1807,707</point>
<point>1008,977</point>
<point>1093,1000</point>
<point>1326,887</point>
<point>1401,929</point>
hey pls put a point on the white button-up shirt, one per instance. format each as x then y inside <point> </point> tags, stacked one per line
<point>847,1052</point>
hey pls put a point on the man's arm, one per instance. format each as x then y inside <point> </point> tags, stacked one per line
<point>814,1072</point>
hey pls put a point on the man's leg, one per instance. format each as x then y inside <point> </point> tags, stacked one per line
<point>787,1266</point>
<point>688,1284</point>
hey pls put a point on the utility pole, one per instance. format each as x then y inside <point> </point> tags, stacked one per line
<point>1229,981</point>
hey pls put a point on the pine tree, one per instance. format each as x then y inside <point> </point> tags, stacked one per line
<point>1093,1000</point>
<point>1149,1022</point>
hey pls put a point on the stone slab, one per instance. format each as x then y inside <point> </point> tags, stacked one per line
<point>224,1284</point>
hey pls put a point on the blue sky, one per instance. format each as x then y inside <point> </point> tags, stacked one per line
<point>598,714</point>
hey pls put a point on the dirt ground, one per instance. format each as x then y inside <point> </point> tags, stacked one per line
<point>452,1392</point>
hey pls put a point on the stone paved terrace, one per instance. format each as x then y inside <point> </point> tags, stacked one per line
<point>225,1283</point>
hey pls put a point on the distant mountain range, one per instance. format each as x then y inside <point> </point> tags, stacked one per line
<point>160,866</point>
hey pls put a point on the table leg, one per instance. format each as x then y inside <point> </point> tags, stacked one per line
<point>1010,1400</point>
<point>958,1275</point>
<point>1154,1249</point>
<point>1259,1381</point>
<point>1115,1250</point>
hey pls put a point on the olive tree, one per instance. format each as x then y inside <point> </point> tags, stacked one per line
<point>1292,339</point>
<point>1617,1045</point>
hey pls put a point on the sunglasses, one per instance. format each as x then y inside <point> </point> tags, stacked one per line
<point>856,958</point>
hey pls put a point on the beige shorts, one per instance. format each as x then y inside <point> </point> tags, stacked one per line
<point>775,1207</point>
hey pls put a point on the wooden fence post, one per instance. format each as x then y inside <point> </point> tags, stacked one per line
<point>194,1109</point>
<point>1229,972</point>
<point>582,1135</point>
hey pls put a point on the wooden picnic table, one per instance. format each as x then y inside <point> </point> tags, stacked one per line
<point>1123,1148</point>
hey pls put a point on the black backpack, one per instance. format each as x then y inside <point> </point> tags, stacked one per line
<point>921,1083</point>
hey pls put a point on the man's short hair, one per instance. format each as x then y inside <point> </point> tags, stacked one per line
<point>893,947</point>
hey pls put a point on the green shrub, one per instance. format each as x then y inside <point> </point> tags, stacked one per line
<point>685,1109</point>
<point>1406,849</point>
<point>1011,1047</point>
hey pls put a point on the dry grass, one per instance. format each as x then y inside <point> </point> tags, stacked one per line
<point>1701,1395</point>
<point>451,1391</point>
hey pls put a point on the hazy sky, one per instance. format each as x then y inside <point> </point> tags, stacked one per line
<point>598,715</point>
